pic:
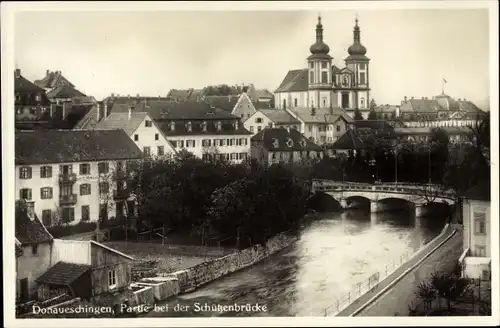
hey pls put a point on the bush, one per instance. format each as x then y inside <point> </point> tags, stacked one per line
<point>68,230</point>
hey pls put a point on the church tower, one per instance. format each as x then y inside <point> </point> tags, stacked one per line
<point>319,65</point>
<point>358,64</point>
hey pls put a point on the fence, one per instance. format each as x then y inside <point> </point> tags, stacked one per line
<point>366,286</point>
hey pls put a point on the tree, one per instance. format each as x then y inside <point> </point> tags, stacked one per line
<point>372,115</point>
<point>373,105</point>
<point>427,294</point>
<point>357,115</point>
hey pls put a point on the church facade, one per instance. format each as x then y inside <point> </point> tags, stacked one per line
<point>324,85</point>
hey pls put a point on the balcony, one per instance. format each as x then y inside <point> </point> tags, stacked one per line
<point>121,194</point>
<point>67,178</point>
<point>68,199</point>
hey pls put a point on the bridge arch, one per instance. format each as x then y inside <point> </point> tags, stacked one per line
<point>323,202</point>
<point>357,202</point>
<point>394,203</point>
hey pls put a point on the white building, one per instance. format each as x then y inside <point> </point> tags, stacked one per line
<point>323,85</point>
<point>73,175</point>
<point>271,118</point>
<point>476,258</point>
<point>142,130</point>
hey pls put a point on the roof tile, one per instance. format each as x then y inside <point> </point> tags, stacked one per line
<point>295,80</point>
<point>30,231</point>
<point>268,136</point>
<point>63,273</point>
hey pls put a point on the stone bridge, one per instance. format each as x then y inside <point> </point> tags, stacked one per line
<point>419,195</point>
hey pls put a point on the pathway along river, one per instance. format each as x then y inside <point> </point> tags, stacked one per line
<point>332,254</point>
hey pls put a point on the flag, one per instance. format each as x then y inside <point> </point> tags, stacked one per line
<point>444,80</point>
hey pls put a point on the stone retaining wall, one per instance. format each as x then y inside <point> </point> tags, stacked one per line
<point>184,281</point>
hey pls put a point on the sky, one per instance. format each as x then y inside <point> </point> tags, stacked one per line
<point>149,53</point>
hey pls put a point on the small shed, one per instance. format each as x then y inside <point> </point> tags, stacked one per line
<point>63,277</point>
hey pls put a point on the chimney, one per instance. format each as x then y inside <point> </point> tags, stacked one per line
<point>406,98</point>
<point>17,73</point>
<point>105,110</point>
<point>138,95</point>
<point>47,72</point>
<point>98,112</point>
<point>112,95</point>
<point>465,99</point>
<point>129,112</point>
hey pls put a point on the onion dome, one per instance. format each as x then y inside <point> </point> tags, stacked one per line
<point>357,48</point>
<point>319,47</point>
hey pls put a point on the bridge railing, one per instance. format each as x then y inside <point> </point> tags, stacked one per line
<point>424,190</point>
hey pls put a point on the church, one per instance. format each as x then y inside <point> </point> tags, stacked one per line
<point>324,85</point>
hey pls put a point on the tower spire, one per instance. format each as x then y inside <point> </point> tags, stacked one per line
<point>319,29</point>
<point>357,32</point>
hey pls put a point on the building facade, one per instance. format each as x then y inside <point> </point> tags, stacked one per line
<point>323,85</point>
<point>271,118</point>
<point>283,145</point>
<point>74,176</point>
<point>476,258</point>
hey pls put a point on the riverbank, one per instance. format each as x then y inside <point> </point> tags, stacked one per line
<point>364,300</point>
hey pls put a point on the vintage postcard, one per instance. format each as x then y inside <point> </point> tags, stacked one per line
<point>251,163</point>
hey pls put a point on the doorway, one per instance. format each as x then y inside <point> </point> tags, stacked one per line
<point>345,100</point>
<point>24,289</point>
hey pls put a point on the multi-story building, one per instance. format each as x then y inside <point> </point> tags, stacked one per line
<point>476,258</point>
<point>321,125</point>
<point>73,176</point>
<point>139,127</point>
<point>33,251</point>
<point>240,106</point>
<point>197,127</point>
<point>456,134</point>
<point>283,145</point>
<point>323,85</point>
<point>271,118</point>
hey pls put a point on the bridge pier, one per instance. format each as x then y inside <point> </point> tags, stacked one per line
<point>374,206</point>
<point>343,203</point>
<point>419,210</point>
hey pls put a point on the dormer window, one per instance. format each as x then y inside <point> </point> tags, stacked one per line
<point>303,143</point>
<point>172,126</point>
<point>236,125</point>
<point>276,143</point>
<point>289,142</point>
<point>38,97</point>
<point>18,97</point>
<point>218,125</point>
<point>189,127</point>
<point>204,126</point>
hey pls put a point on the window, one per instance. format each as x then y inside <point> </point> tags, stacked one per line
<point>362,78</point>
<point>311,65</point>
<point>324,65</point>
<point>338,127</point>
<point>324,102</point>
<point>34,249</point>
<point>46,193</point>
<point>189,127</point>
<point>47,217</point>
<point>103,167</point>
<point>46,172</point>
<point>485,275</point>
<point>284,103</point>
<point>25,193</point>
<point>161,150</point>
<point>362,103</point>
<point>310,128</point>
<point>18,97</point>
<point>258,120</point>
<point>136,137</point>
<point>147,151</point>
<point>480,251</point>
<point>85,212</point>
<point>259,128</point>
<point>479,223</point>
<point>103,187</point>
<point>148,123</point>
<point>191,143</point>
<point>205,142</point>
<point>157,136</point>
<point>204,126</point>
<point>362,66</point>
<point>172,126</point>
<point>295,102</point>
<point>324,77</point>
<point>85,189</point>
<point>25,172</point>
<point>311,77</point>
<point>85,169</point>
<point>251,128</point>
<point>68,213</point>
<point>218,126</point>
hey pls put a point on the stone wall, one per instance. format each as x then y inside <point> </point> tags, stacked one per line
<point>196,276</point>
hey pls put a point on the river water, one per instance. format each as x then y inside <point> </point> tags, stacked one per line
<point>332,255</point>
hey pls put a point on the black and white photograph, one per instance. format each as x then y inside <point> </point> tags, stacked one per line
<point>296,163</point>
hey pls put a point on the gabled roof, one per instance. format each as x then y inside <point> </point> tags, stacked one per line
<point>66,146</point>
<point>469,107</point>
<point>268,136</point>
<point>349,140</point>
<point>63,274</point>
<point>122,121</point>
<point>295,80</point>
<point>481,191</point>
<point>226,103</point>
<point>321,115</point>
<point>264,93</point>
<point>346,70</point>
<point>30,231</point>
<point>186,94</point>
<point>89,120</point>
<point>335,69</point>
<point>425,105</point>
<point>279,116</point>
<point>64,91</point>
<point>181,127</point>
<point>21,84</point>
<point>128,257</point>
<point>52,80</point>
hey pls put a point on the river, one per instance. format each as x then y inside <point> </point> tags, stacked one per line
<point>333,253</point>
